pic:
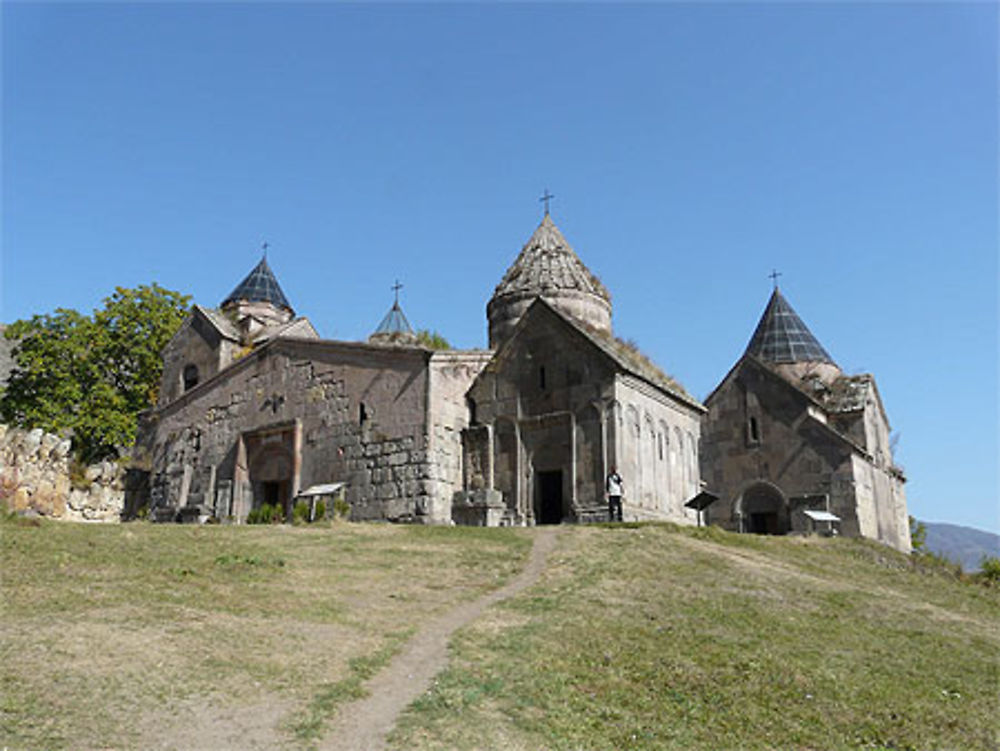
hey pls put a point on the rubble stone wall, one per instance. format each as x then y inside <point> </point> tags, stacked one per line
<point>37,477</point>
<point>360,412</point>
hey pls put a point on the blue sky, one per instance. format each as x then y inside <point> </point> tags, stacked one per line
<point>691,149</point>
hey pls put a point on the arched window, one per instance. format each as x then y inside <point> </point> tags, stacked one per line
<point>190,376</point>
<point>692,462</point>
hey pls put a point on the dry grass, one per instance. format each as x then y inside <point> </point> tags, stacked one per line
<point>146,636</point>
<point>637,637</point>
<point>652,637</point>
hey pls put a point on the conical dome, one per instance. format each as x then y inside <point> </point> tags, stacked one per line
<point>260,285</point>
<point>547,267</point>
<point>782,339</point>
<point>394,328</point>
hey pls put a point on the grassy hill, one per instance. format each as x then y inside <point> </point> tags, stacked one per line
<point>636,637</point>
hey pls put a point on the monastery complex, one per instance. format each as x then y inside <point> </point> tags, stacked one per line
<point>256,408</point>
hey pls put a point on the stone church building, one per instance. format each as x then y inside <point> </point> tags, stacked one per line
<point>256,408</point>
<point>789,440</point>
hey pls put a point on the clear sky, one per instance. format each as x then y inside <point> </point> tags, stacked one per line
<point>691,149</point>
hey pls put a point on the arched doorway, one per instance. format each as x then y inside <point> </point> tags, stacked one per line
<point>764,510</point>
<point>271,469</point>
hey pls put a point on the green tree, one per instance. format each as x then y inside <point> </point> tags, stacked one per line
<point>432,340</point>
<point>91,375</point>
<point>136,325</point>
<point>989,569</point>
<point>918,535</point>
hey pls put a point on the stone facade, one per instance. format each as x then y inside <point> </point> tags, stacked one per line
<point>255,409</point>
<point>300,412</point>
<point>557,407</point>
<point>785,437</point>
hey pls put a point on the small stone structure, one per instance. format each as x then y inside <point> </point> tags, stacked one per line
<point>788,433</point>
<point>36,477</point>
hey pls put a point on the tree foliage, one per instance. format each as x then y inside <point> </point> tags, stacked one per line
<point>92,375</point>
<point>918,535</point>
<point>432,340</point>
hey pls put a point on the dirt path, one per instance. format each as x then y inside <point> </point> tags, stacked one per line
<point>364,724</point>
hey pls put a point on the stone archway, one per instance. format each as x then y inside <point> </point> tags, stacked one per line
<point>763,510</point>
<point>271,468</point>
<point>271,479</point>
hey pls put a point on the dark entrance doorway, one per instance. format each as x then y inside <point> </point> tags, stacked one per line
<point>276,493</point>
<point>271,469</point>
<point>764,511</point>
<point>549,497</point>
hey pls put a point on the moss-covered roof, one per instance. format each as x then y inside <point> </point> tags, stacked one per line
<point>547,263</point>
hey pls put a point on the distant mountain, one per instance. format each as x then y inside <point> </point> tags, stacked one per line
<point>964,545</point>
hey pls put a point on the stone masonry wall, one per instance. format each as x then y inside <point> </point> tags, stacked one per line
<point>786,447</point>
<point>657,452</point>
<point>360,412</point>
<point>451,375</point>
<point>35,477</point>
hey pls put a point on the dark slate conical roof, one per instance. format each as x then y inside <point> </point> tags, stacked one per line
<point>394,322</point>
<point>259,286</point>
<point>782,337</point>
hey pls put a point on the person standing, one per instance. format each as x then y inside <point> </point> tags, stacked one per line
<point>614,486</point>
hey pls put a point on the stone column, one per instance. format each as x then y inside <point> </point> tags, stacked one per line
<point>296,459</point>
<point>185,487</point>
<point>490,448</point>
<point>603,412</point>
<point>210,492</point>
<point>518,501</point>
<point>240,480</point>
<point>572,461</point>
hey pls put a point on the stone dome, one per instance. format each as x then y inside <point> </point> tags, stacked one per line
<point>547,267</point>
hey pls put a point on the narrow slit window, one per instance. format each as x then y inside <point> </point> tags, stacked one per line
<point>190,377</point>
<point>541,378</point>
<point>753,430</point>
<point>362,414</point>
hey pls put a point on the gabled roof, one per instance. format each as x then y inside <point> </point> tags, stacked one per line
<point>782,337</point>
<point>298,327</point>
<point>260,285</point>
<point>394,322</point>
<point>547,263</point>
<point>624,356</point>
<point>219,321</point>
<point>799,389</point>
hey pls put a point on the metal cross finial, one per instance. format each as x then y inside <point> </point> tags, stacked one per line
<point>774,277</point>
<point>395,288</point>
<point>264,247</point>
<point>545,199</point>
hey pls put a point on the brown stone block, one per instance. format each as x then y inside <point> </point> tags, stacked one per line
<point>20,500</point>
